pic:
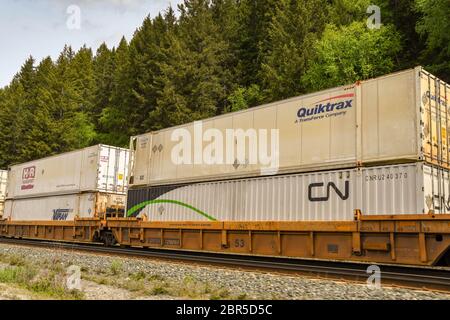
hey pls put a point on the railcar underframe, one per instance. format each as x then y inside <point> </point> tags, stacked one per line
<point>397,239</point>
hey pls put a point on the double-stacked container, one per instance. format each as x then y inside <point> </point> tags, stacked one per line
<point>379,145</point>
<point>91,182</point>
<point>3,181</point>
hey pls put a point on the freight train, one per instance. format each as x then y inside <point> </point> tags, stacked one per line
<point>359,172</point>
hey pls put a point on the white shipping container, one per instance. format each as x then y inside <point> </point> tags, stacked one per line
<point>63,207</point>
<point>97,168</point>
<point>413,188</point>
<point>397,118</point>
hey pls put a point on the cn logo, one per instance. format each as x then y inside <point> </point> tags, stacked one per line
<point>331,185</point>
<point>28,173</point>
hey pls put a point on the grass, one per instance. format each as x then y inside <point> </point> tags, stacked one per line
<point>47,284</point>
<point>47,278</point>
<point>138,276</point>
<point>116,267</point>
<point>159,290</point>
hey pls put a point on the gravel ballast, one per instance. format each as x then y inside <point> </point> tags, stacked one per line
<point>175,280</point>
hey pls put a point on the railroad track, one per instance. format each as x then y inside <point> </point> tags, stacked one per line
<point>427,278</point>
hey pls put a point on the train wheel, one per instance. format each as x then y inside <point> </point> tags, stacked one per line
<point>108,239</point>
<point>447,259</point>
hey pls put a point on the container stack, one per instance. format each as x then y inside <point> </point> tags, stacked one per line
<point>379,145</point>
<point>3,181</point>
<point>90,182</point>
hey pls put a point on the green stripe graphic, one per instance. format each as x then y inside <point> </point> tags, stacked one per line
<point>145,203</point>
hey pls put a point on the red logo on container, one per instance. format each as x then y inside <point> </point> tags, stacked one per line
<point>28,175</point>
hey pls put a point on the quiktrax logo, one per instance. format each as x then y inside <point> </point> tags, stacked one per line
<point>330,107</point>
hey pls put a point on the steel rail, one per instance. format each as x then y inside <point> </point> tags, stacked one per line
<point>429,278</point>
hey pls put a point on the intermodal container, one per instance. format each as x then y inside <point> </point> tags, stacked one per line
<point>412,188</point>
<point>99,168</point>
<point>65,207</point>
<point>398,118</point>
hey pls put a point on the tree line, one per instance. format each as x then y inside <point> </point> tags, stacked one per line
<point>209,58</point>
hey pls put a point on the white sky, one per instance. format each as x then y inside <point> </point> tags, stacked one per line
<point>40,27</point>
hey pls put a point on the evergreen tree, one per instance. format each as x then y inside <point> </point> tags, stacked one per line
<point>291,34</point>
<point>73,123</point>
<point>254,18</point>
<point>146,54</point>
<point>118,117</point>
<point>103,65</point>
<point>434,28</point>
<point>15,113</point>
<point>40,137</point>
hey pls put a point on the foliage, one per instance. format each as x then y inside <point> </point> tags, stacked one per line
<point>349,53</point>
<point>433,27</point>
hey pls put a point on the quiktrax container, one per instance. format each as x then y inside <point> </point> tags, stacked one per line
<point>3,181</point>
<point>412,188</point>
<point>397,118</point>
<point>99,168</point>
<point>65,207</point>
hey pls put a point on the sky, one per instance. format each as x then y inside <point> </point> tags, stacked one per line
<point>42,27</point>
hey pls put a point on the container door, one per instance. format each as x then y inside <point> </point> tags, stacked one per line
<point>436,190</point>
<point>435,95</point>
<point>109,164</point>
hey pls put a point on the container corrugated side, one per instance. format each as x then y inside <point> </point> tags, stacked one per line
<point>324,196</point>
<point>63,207</point>
<point>96,168</point>
<point>379,121</point>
